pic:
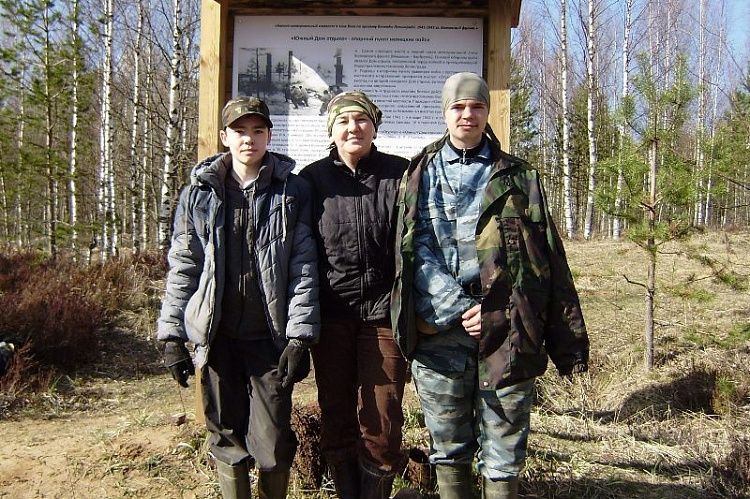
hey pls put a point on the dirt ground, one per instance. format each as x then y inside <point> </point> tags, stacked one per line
<point>102,437</point>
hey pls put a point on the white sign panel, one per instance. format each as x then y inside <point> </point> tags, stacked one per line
<point>296,64</point>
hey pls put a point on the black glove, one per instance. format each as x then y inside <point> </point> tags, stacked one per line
<point>177,360</point>
<point>294,363</point>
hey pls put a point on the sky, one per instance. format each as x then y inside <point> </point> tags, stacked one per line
<point>738,19</point>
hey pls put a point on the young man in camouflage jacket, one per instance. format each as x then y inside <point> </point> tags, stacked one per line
<point>483,295</point>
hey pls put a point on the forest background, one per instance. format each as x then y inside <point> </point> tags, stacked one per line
<point>637,113</point>
<point>98,115</point>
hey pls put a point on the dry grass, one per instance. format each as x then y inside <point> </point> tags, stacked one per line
<point>623,431</point>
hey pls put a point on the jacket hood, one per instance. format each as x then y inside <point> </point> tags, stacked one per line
<point>213,169</point>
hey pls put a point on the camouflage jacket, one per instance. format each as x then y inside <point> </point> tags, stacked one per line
<point>530,306</point>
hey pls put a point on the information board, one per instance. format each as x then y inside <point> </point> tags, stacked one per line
<point>296,64</point>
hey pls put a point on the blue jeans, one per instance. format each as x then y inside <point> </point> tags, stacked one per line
<point>461,418</point>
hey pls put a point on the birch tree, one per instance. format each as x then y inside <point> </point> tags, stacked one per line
<point>73,159</point>
<point>570,226</point>
<point>591,117</point>
<point>169,171</point>
<point>701,125</point>
<point>106,193</point>
<point>135,171</point>
<point>617,222</point>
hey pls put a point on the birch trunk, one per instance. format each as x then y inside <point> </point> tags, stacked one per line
<point>567,174</point>
<point>169,172</point>
<point>700,132</point>
<point>146,160</point>
<point>20,144</point>
<point>51,202</point>
<point>135,173</point>
<point>591,115</point>
<point>72,163</point>
<point>617,222</point>
<point>106,187</point>
<point>714,111</point>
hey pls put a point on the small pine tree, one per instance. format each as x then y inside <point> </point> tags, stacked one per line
<point>659,182</point>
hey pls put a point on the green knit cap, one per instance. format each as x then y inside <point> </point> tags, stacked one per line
<point>353,101</point>
<point>461,86</point>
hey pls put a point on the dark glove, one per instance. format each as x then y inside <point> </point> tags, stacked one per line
<point>177,360</point>
<point>294,363</point>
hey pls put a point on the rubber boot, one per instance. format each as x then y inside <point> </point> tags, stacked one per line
<point>374,483</point>
<point>273,484</point>
<point>346,478</point>
<point>501,489</point>
<point>234,480</point>
<point>454,481</point>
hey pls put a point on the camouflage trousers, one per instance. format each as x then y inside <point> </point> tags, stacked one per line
<point>463,420</point>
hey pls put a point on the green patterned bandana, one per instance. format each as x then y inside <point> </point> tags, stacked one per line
<point>353,101</point>
<point>463,86</point>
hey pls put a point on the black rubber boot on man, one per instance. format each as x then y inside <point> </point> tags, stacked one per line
<point>234,480</point>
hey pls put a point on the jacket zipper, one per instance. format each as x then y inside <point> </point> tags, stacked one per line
<point>358,218</point>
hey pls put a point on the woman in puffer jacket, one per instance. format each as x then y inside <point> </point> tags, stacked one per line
<point>354,194</point>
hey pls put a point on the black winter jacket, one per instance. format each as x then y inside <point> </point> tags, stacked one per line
<point>353,218</point>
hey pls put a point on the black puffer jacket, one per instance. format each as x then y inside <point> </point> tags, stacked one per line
<point>353,215</point>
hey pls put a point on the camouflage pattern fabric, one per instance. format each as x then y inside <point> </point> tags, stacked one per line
<point>462,419</point>
<point>530,307</point>
<point>445,247</point>
<point>353,101</point>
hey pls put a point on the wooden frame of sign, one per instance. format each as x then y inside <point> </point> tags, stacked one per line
<point>217,21</point>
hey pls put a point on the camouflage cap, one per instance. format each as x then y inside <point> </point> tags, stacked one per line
<point>353,101</point>
<point>243,105</point>
<point>461,86</point>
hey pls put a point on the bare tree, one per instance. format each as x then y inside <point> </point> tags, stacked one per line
<point>135,171</point>
<point>570,225</point>
<point>73,160</point>
<point>592,91</point>
<point>617,222</point>
<point>106,193</point>
<point>169,172</point>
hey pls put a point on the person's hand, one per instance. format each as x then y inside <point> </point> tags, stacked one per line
<point>177,360</point>
<point>472,321</point>
<point>294,363</point>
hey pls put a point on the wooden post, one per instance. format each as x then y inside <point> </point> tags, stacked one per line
<point>212,75</point>
<point>502,15</point>
<point>210,101</point>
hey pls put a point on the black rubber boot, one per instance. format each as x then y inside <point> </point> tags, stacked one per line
<point>234,480</point>
<point>346,477</point>
<point>273,484</point>
<point>374,483</point>
<point>454,482</point>
<point>501,489</point>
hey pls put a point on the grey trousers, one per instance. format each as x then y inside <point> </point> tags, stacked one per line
<point>247,411</point>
